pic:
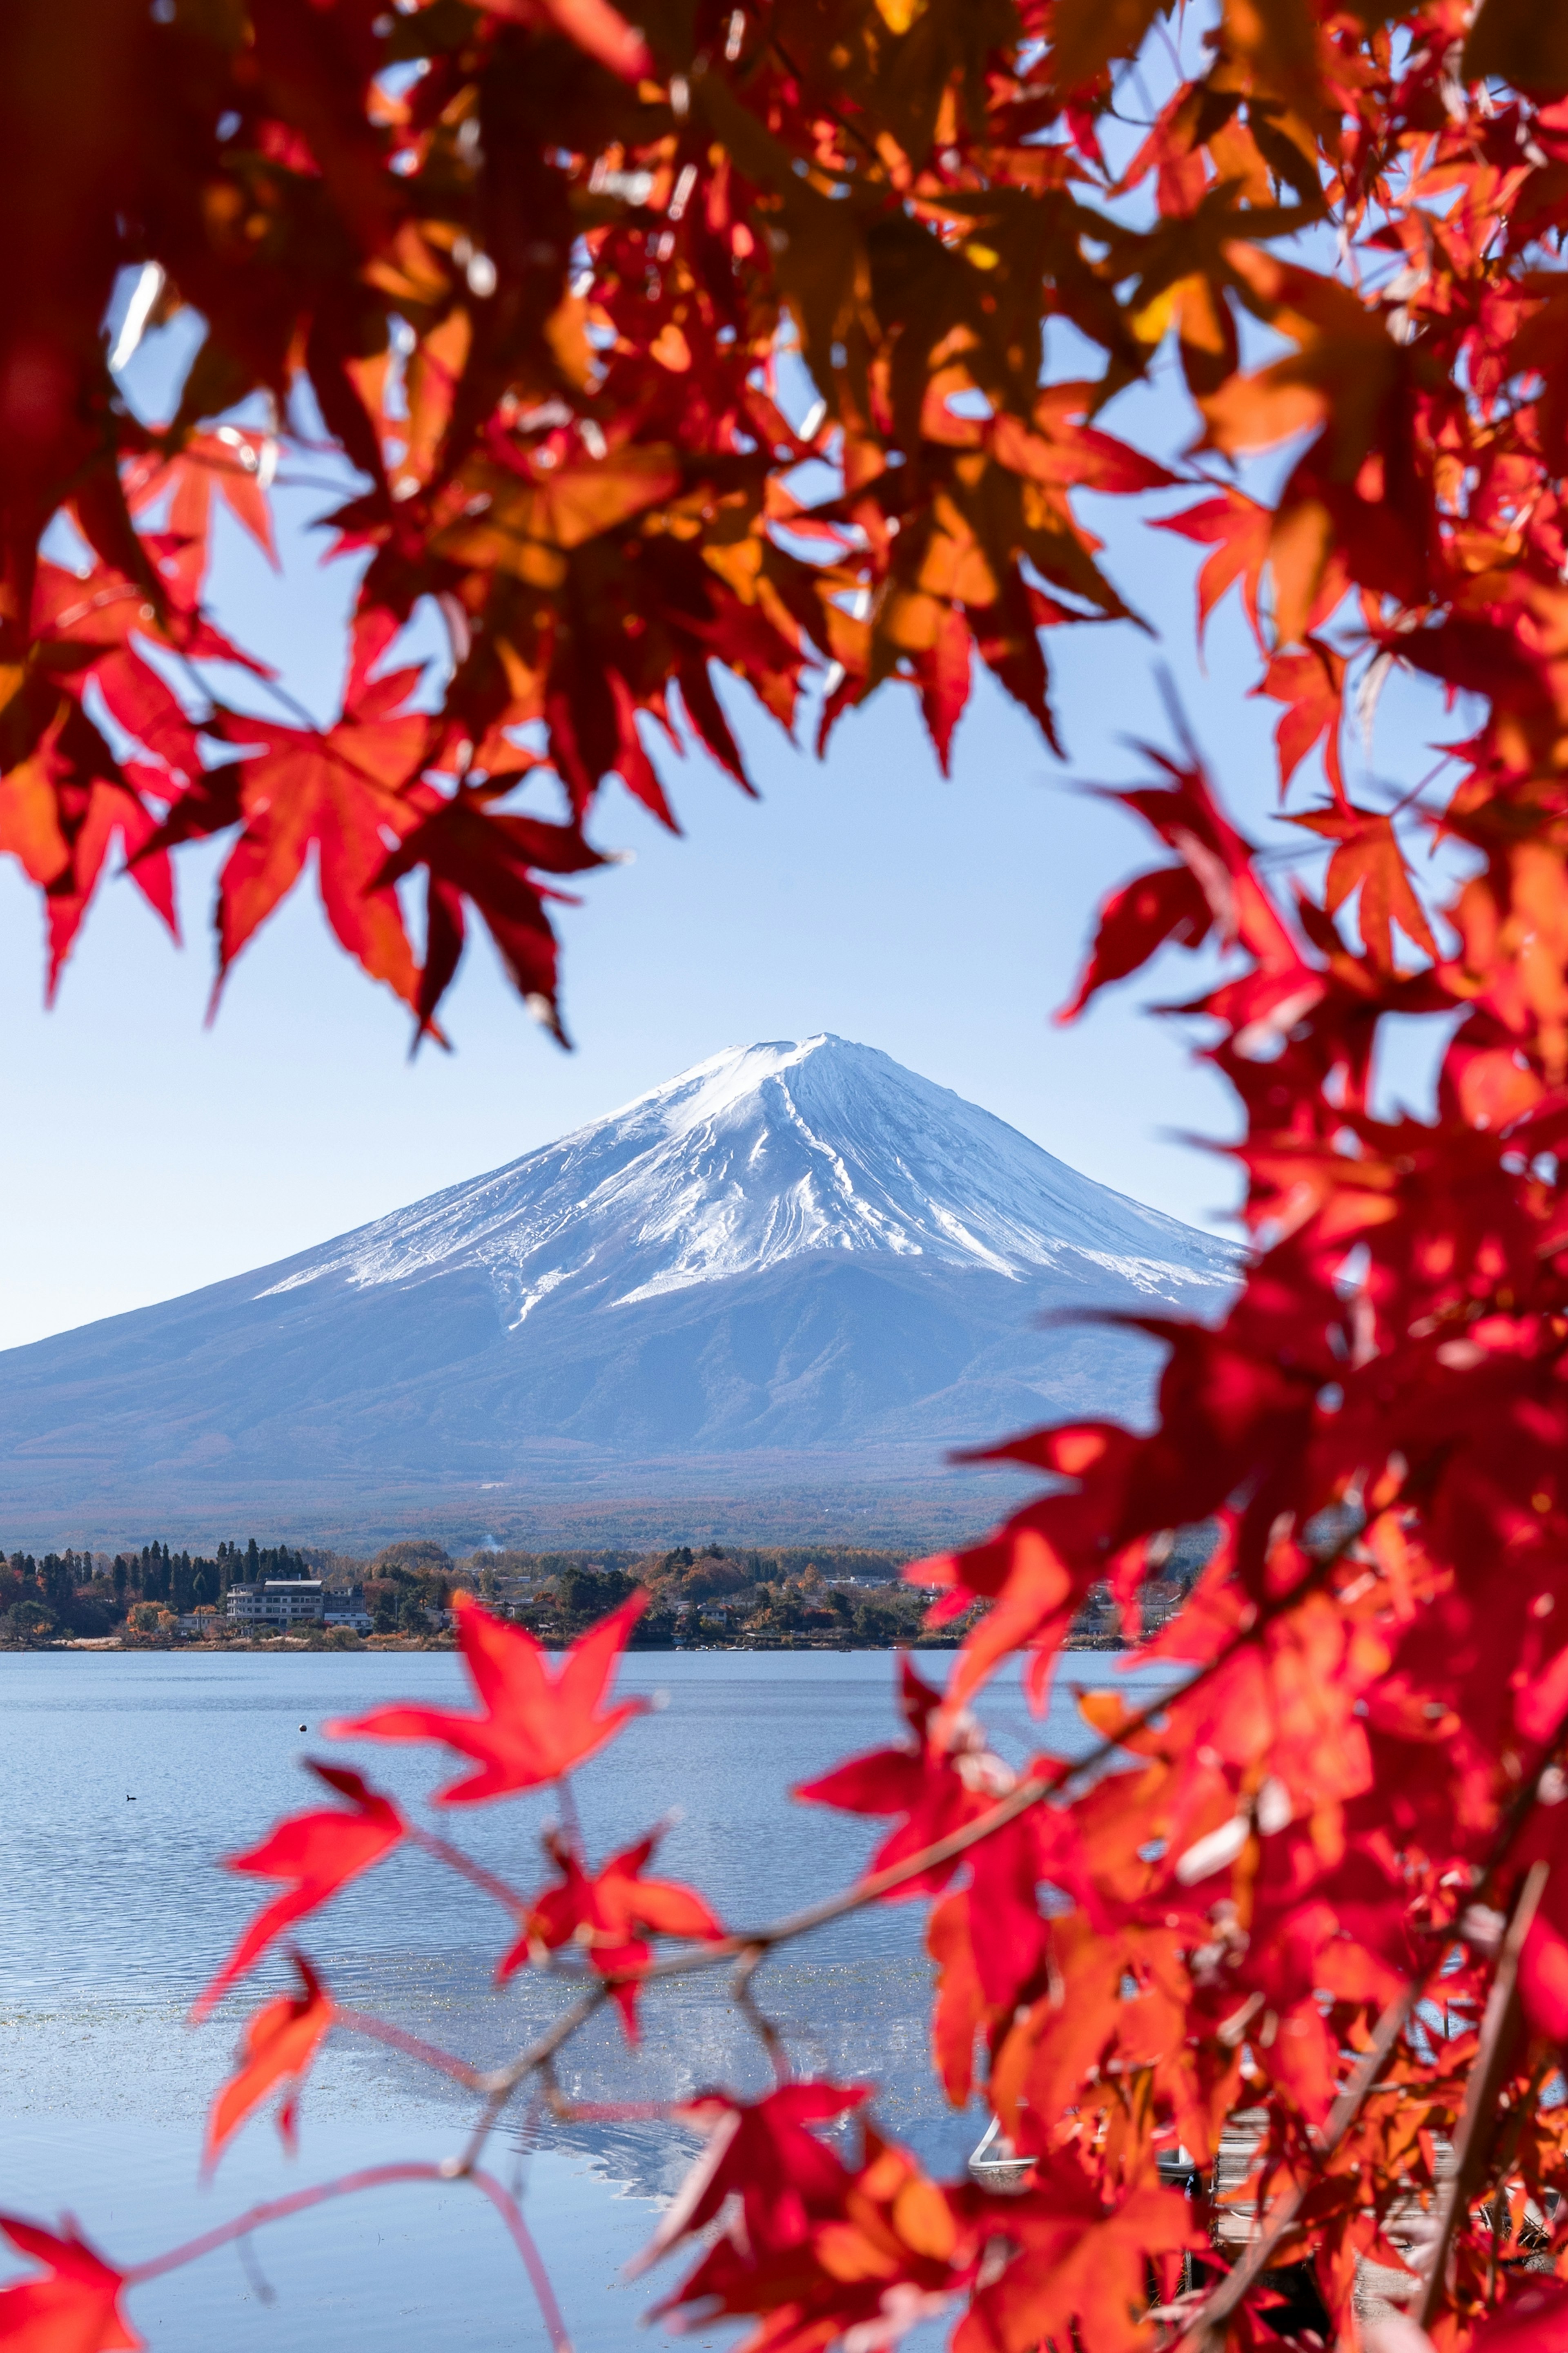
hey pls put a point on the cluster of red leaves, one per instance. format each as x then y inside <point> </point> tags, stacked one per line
<point>536,272</point>
<point>533,1728</point>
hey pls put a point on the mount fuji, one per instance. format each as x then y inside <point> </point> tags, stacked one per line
<point>788,1280</point>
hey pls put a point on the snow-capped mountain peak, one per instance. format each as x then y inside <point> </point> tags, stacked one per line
<point>766,1153</point>
<point>793,1278</point>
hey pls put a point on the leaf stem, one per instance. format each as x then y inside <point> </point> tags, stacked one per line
<point>432,1843</point>
<point>429,2054</point>
<point>372,2177</point>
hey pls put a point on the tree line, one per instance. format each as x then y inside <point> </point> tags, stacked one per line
<point>87,1593</point>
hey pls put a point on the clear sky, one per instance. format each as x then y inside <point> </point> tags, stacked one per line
<point>143,1154</point>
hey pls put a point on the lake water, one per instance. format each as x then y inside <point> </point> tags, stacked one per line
<point>126,1774</point>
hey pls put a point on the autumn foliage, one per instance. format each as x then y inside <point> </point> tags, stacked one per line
<point>727,343</point>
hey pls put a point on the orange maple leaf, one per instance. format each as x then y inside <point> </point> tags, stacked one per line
<point>1367,857</point>
<point>276,2049</point>
<point>1311,685</point>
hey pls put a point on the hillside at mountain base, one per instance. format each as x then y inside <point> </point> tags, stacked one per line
<point>764,1300</point>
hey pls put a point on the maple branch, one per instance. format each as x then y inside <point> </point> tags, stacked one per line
<point>526,2247</point>
<point>432,1843</point>
<point>1497,2030</point>
<point>370,2177</point>
<point>755,2016</point>
<point>571,1821</point>
<point>429,2054</point>
<point>754,1945</point>
<point>1218,2306</point>
<point>501,2086</point>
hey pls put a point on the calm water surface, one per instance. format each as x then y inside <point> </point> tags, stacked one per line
<point>127,1775</point>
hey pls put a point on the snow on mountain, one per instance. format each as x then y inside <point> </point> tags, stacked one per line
<point>794,1277</point>
<point>763,1155</point>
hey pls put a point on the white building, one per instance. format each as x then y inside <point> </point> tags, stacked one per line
<point>347,1609</point>
<point>281,1601</point>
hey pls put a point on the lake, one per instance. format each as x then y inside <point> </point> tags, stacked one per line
<point>128,1773</point>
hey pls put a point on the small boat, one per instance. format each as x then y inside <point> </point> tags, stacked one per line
<point>996,2164</point>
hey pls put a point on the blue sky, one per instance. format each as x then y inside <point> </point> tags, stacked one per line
<point>143,1154</point>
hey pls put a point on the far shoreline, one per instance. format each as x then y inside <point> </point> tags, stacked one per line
<point>393,1645</point>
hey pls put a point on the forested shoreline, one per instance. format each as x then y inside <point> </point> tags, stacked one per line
<point>718,1596</point>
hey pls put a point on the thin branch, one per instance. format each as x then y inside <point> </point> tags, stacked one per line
<point>523,2240</point>
<point>571,1821</point>
<point>756,2018</point>
<point>455,1860</point>
<point>1033,1791</point>
<point>1217,2307</point>
<point>1497,2030</point>
<point>370,2177</point>
<point>501,2086</point>
<point>379,2030</point>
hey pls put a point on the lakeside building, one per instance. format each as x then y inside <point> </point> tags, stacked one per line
<point>286,1602</point>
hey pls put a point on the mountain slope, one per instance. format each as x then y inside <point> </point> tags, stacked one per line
<point>795,1263</point>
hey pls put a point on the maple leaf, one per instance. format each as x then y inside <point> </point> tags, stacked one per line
<point>534,1726</point>
<point>1081,2264</point>
<point>1086,36</point>
<point>230,462</point>
<point>1171,904</point>
<point>1311,684</point>
<point>75,2307</point>
<point>1533,2319</point>
<point>276,2049</point>
<point>469,851</point>
<point>1520,43</point>
<point>597,29</point>
<point>1237,529</point>
<point>337,793</point>
<point>943,1776</point>
<point>763,2155</point>
<point>607,1913</point>
<point>1367,857</point>
<point>893,2250</point>
<point>319,1853</point>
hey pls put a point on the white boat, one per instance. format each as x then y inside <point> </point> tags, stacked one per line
<point>996,2164</point>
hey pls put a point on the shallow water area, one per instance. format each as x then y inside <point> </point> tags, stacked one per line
<point>128,1774</point>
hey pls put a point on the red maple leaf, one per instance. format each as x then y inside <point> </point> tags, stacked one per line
<point>348,792</point>
<point>1534,2320</point>
<point>276,2049</point>
<point>318,1852</point>
<point>1168,904</point>
<point>75,2307</point>
<point>943,1776</point>
<point>336,793</point>
<point>763,2155</point>
<point>607,1916</point>
<point>1079,2266</point>
<point>594,24</point>
<point>892,2251</point>
<point>534,1726</point>
<point>1367,857</point>
<point>468,851</point>
<point>1311,683</point>
<point>1237,529</point>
